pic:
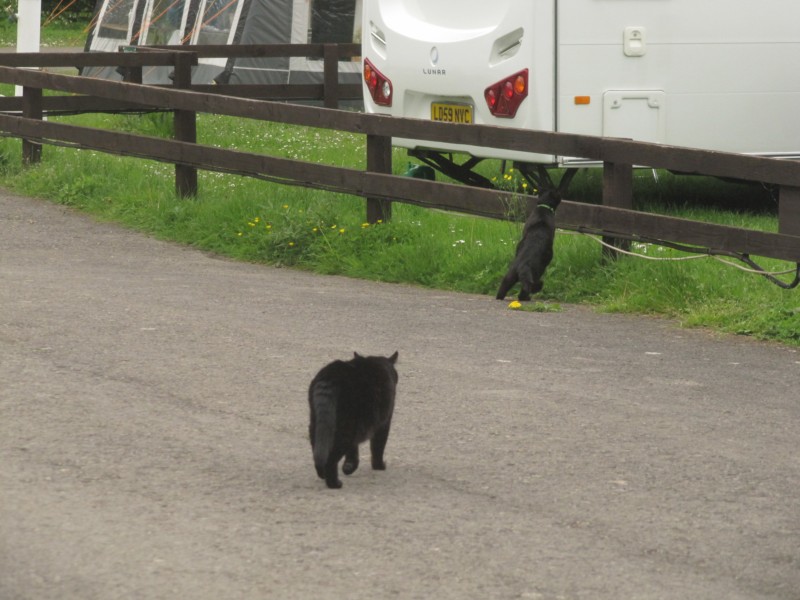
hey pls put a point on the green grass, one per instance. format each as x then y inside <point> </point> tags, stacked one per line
<point>258,221</point>
<point>56,34</point>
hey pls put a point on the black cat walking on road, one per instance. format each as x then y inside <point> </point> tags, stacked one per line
<point>351,402</point>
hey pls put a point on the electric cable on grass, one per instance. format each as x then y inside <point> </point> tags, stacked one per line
<point>755,268</point>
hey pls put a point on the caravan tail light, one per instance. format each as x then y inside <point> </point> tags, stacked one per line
<point>380,88</point>
<point>505,96</point>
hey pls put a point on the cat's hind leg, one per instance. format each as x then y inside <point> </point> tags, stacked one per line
<point>508,282</point>
<point>318,465</point>
<point>332,473</point>
<point>377,445</point>
<point>350,461</point>
<point>528,289</point>
<point>526,284</point>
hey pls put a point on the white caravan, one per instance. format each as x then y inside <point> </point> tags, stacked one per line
<point>710,74</point>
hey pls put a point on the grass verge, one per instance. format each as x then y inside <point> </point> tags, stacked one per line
<point>257,221</point>
<point>58,33</point>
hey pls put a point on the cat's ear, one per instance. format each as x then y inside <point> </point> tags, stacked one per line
<point>393,357</point>
<point>356,355</point>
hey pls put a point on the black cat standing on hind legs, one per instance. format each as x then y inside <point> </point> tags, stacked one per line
<point>351,402</point>
<point>535,248</point>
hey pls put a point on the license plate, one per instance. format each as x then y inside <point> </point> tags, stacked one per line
<point>451,113</point>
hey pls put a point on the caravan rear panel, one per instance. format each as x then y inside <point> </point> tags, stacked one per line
<point>441,56</point>
<point>718,74</point>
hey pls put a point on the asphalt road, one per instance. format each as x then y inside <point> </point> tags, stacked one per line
<point>153,444</point>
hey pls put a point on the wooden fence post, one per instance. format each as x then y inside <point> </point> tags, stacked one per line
<point>379,160</point>
<point>331,75</point>
<point>618,193</point>
<point>789,210</point>
<point>31,109</point>
<point>133,75</point>
<point>130,74</point>
<point>185,127</point>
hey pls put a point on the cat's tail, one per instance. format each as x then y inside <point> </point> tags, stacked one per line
<point>323,399</point>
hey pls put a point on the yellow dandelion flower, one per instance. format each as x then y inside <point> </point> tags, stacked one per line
<point>314,230</point>
<point>333,226</point>
<point>251,224</point>
<point>285,206</point>
<point>341,230</point>
<point>291,244</point>
<point>380,221</point>
<point>515,305</point>
<point>364,225</point>
<point>239,234</point>
<point>257,220</point>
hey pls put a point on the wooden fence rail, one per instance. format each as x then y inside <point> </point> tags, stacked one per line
<point>380,187</point>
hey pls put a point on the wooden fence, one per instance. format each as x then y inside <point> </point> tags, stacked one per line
<point>614,218</point>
